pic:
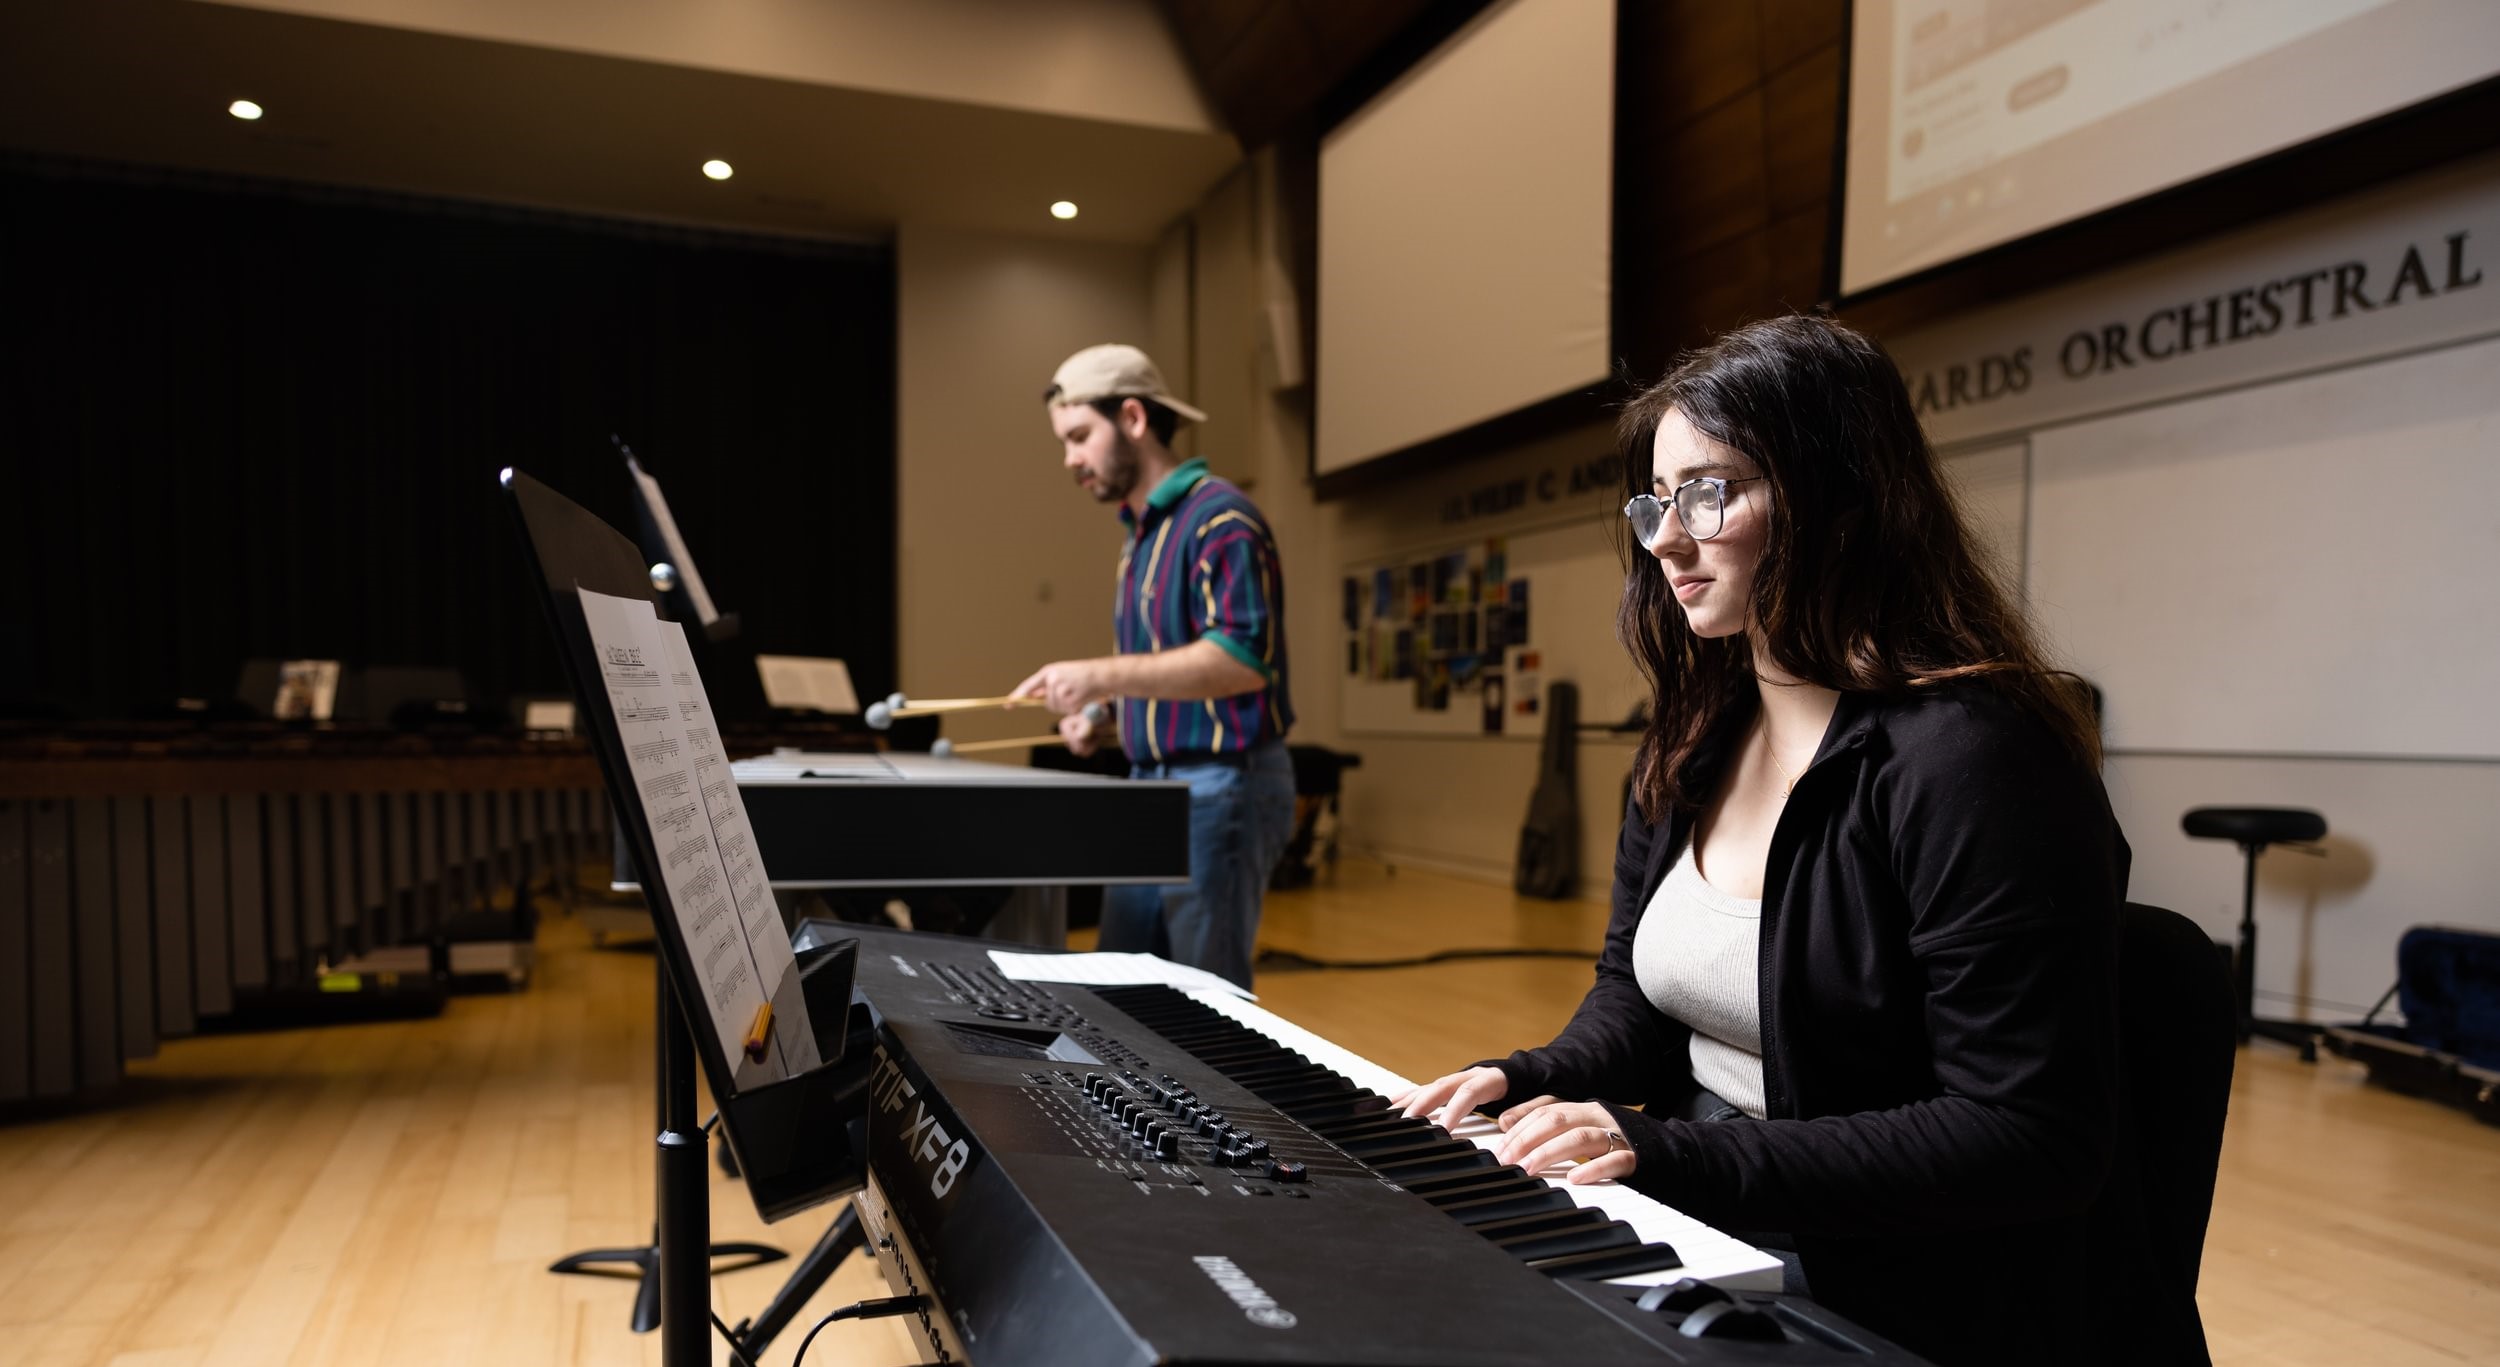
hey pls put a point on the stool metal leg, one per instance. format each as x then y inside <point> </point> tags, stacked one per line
<point>2244,976</point>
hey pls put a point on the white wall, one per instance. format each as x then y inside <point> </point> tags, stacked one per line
<point>1003,563</point>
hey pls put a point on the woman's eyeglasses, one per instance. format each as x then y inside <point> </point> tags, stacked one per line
<point>1700,504</point>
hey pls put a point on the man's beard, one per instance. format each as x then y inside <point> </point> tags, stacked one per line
<point>1119,473</point>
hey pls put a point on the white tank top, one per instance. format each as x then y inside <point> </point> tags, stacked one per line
<point>1697,956</point>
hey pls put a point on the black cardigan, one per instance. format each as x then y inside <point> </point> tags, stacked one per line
<point>1939,1034</point>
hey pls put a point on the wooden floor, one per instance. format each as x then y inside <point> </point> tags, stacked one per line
<point>392,1193</point>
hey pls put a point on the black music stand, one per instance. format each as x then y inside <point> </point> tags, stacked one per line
<point>728,665</point>
<point>801,1140</point>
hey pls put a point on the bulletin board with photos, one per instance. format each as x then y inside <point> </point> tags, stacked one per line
<point>1461,639</point>
<point>1448,633</point>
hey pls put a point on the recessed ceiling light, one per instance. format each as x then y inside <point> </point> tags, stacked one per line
<point>1063,209</point>
<point>718,169</point>
<point>244,109</point>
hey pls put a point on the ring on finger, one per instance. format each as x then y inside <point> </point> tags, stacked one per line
<point>1614,1138</point>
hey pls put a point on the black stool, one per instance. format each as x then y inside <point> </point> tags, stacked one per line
<point>2252,829</point>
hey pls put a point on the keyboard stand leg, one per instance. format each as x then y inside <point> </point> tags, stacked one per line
<point>841,1240</point>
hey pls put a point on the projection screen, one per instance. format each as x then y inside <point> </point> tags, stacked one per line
<point>1464,233</point>
<point>1976,122</point>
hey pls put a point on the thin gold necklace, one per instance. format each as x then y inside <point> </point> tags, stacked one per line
<point>1788,782</point>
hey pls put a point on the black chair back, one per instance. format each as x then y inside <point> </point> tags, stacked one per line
<point>2178,1042</point>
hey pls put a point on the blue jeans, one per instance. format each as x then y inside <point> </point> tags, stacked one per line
<point>1240,816</point>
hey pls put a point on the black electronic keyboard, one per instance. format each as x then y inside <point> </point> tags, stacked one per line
<point>1102,1175</point>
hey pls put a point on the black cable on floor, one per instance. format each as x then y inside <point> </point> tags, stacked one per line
<point>1287,961</point>
<point>858,1310</point>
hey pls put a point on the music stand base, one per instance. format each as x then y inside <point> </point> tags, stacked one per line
<point>643,1265</point>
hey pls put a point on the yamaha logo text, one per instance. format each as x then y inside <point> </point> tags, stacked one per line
<point>1256,1305</point>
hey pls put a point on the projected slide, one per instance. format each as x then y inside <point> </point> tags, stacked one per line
<point>1975,122</point>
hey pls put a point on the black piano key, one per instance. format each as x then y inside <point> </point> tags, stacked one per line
<point>1389,1141</point>
<point>1476,1187</point>
<point>1430,1184</point>
<point>1486,1209</point>
<point>1381,1157</point>
<point>1369,1123</point>
<point>1309,1093</point>
<point>1612,1262</point>
<point>1517,1227</point>
<point>1368,1103</point>
<point>1473,1159</point>
<point>1562,1243</point>
<point>1254,1070</point>
<point>1307,1084</point>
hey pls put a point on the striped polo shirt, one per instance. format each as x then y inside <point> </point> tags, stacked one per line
<point>1201,564</point>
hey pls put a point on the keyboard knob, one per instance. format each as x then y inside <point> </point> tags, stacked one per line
<point>1166,1144</point>
<point>1731,1320</point>
<point>1683,1297</point>
<point>1287,1170</point>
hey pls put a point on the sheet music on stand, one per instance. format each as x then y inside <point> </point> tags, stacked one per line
<point>805,682</point>
<point>717,888</point>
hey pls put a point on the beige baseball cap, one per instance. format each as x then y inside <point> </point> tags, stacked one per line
<point>1113,370</point>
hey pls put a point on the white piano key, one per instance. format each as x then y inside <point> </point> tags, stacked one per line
<point>1709,1254</point>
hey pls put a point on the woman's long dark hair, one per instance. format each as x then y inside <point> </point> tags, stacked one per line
<point>1869,581</point>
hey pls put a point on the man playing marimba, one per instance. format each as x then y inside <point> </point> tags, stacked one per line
<point>1199,676</point>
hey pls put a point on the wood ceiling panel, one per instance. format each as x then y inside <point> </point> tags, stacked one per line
<point>1793,28</point>
<point>1801,130</point>
<point>1684,58</point>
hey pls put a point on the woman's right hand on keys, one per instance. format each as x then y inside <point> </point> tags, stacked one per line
<point>1449,1098</point>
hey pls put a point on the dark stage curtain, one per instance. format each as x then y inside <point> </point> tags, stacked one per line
<point>247,420</point>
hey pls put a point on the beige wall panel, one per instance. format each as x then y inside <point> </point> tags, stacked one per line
<point>1113,60</point>
<point>1169,338</point>
<point>1225,335</point>
<point>1003,563</point>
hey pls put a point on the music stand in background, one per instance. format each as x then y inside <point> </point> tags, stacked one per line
<point>728,665</point>
<point>800,1141</point>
